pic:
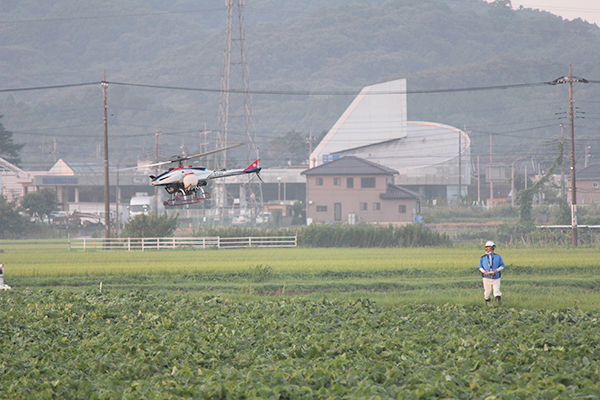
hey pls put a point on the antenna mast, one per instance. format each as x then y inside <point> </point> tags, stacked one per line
<point>236,77</point>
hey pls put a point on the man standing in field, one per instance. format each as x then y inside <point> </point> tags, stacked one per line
<point>491,266</point>
<point>2,285</point>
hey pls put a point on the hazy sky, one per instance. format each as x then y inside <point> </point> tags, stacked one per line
<point>587,10</point>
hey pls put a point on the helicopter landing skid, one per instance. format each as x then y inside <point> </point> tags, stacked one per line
<point>185,200</point>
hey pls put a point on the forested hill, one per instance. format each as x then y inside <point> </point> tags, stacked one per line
<point>321,45</point>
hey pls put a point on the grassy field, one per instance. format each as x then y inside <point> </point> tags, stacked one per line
<point>534,278</point>
<point>297,324</point>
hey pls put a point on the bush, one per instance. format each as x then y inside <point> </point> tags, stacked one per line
<point>344,235</point>
<point>12,224</point>
<point>40,203</point>
<point>371,236</point>
<point>152,225</point>
<point>240,231</point>
<point>461,213</point>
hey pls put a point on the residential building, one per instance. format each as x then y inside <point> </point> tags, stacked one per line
<point>13,180</point>
<point>588,185</point>
<point>353,190</point>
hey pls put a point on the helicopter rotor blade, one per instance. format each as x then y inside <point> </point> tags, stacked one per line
<point>178,159</point>
<point>208,152</point>
<point>142,166</point>
<point>154,164</point>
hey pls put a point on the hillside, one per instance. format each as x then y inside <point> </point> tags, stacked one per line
<point>320,46</point>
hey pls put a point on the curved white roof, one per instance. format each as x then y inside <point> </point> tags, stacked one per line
<point>426,144</point>
<point>376,115</point>
<point>374,127</point>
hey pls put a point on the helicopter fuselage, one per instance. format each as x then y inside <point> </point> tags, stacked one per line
<point>187,179</point>
<point>176,175</point>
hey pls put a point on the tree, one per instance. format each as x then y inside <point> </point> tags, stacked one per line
<point>563,216</point>
<point>293,148</point>
<point>8,149</point>
<point>12,224</point>
<point>298,214</point>
<point>289,149</point>
<point>152,225</point>
<point>526,195</point>
<point>40,203</point>
<point>502,4</point>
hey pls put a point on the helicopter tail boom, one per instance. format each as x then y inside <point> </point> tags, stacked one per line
<point>253,167</point>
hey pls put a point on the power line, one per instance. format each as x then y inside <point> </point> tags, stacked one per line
<point>335,93</point>
<point>49,87</point>
<point>112,16</point>
<point>516,130</point>
<point>294,92</point>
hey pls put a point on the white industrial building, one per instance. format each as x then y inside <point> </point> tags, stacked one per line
<point>426,154</point>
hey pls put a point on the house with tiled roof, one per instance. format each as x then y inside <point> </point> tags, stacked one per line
<point>588,185</point>
<point>353,190</point>
<point>13,180</point>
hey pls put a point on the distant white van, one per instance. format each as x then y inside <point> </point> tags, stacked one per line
<point>264,218</point>
<point>140,205</point>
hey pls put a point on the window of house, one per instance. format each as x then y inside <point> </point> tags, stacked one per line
<point>321,208</point>
<point>376,206</point>
<point>367,183</point>
<point>337,181</point>
<point>350,183</point>
<point>319,182</point>
<point>595,184</point>
<point>402,209</point>
<point>363,206</point>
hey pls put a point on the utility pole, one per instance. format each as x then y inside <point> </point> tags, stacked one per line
<point>587,155</point>
<point>459,167</point>
<point>574,240</point>
<point>156,169</point>
<point>156,134</point>
<point>562,162</point>
<point>490,174</point>
<point>309,140</point>
<point>106,183</point>
<point>478,183</point>
<point>460,151</point>
<point>512,184</point>
<point>202,146</point>
<point>570,79</point>
<point>118,201</point>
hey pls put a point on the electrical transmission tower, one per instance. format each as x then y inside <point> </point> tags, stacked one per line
<point>235,110</point>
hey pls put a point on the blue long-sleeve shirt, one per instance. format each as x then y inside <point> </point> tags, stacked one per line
<point>490,262</point>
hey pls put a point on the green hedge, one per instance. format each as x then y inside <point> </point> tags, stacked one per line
<point>344,235</point>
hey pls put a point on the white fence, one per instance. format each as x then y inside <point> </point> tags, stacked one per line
<point>141,244</point>
<point>567,226</point>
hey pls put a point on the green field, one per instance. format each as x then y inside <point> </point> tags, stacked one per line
<point>534,278</point>
<point>297,323</point>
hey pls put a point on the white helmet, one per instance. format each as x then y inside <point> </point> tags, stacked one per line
<point>489,243</point>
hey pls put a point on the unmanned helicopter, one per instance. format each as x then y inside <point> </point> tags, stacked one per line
<point>184,181</point>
